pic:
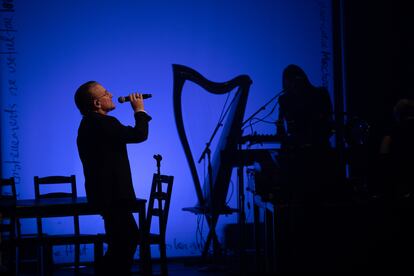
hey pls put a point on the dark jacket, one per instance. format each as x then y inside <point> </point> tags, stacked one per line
<point>308,117</point>
<point>102,149</point>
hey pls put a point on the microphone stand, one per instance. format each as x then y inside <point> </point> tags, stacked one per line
<point>210,169</point>
<point>263,107</point>
<point>211,212</point>
<point>158,158</point>
<point>207,148</point>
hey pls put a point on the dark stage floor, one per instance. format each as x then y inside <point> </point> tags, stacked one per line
<point>176,267</point>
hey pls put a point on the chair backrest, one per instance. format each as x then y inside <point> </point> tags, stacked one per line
<point>53,180</point>
<point>7,192</point>
<point>40,182</point>
<point>8,188</point>
<point>161,189</point>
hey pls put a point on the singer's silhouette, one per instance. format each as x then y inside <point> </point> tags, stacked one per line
<point>305,111</point>
<point>308,169</point>
<point>102,141</point>
<point>305,122</point>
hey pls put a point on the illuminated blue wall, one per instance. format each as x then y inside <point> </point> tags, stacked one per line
<point>49,48</point>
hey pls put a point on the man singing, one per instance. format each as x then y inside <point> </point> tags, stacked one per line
<point>102,141</point>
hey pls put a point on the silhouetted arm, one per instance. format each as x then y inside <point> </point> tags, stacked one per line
<point>118,132</point>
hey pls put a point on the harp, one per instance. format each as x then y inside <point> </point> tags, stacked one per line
<point>212,194</point>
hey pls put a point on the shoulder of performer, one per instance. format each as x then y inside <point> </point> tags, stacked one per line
<point>100,119</point>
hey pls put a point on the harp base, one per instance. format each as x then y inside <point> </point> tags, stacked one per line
<point>212,218</point>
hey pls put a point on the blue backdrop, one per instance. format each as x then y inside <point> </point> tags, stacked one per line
<point>49,48</point>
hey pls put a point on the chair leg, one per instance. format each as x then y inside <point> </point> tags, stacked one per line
<point>50,262</point>
<point>43,265</point>
<point>17,263</point>
<point>77,258</point>
<point>46,259</point>
<point>145,259</point>
<point>163,259</point>
<point>98,254</point>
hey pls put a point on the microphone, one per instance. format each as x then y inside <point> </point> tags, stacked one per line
<point>127,99</point>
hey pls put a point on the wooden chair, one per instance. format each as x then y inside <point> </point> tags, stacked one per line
<point>13,241</point>
<point>7,192</point>
<point>159,206</point>
<point>7,228</point>
<point>51,239</point>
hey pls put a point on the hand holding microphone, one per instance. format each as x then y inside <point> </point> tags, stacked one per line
<point>127,98</point>
<point>136,100</point>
